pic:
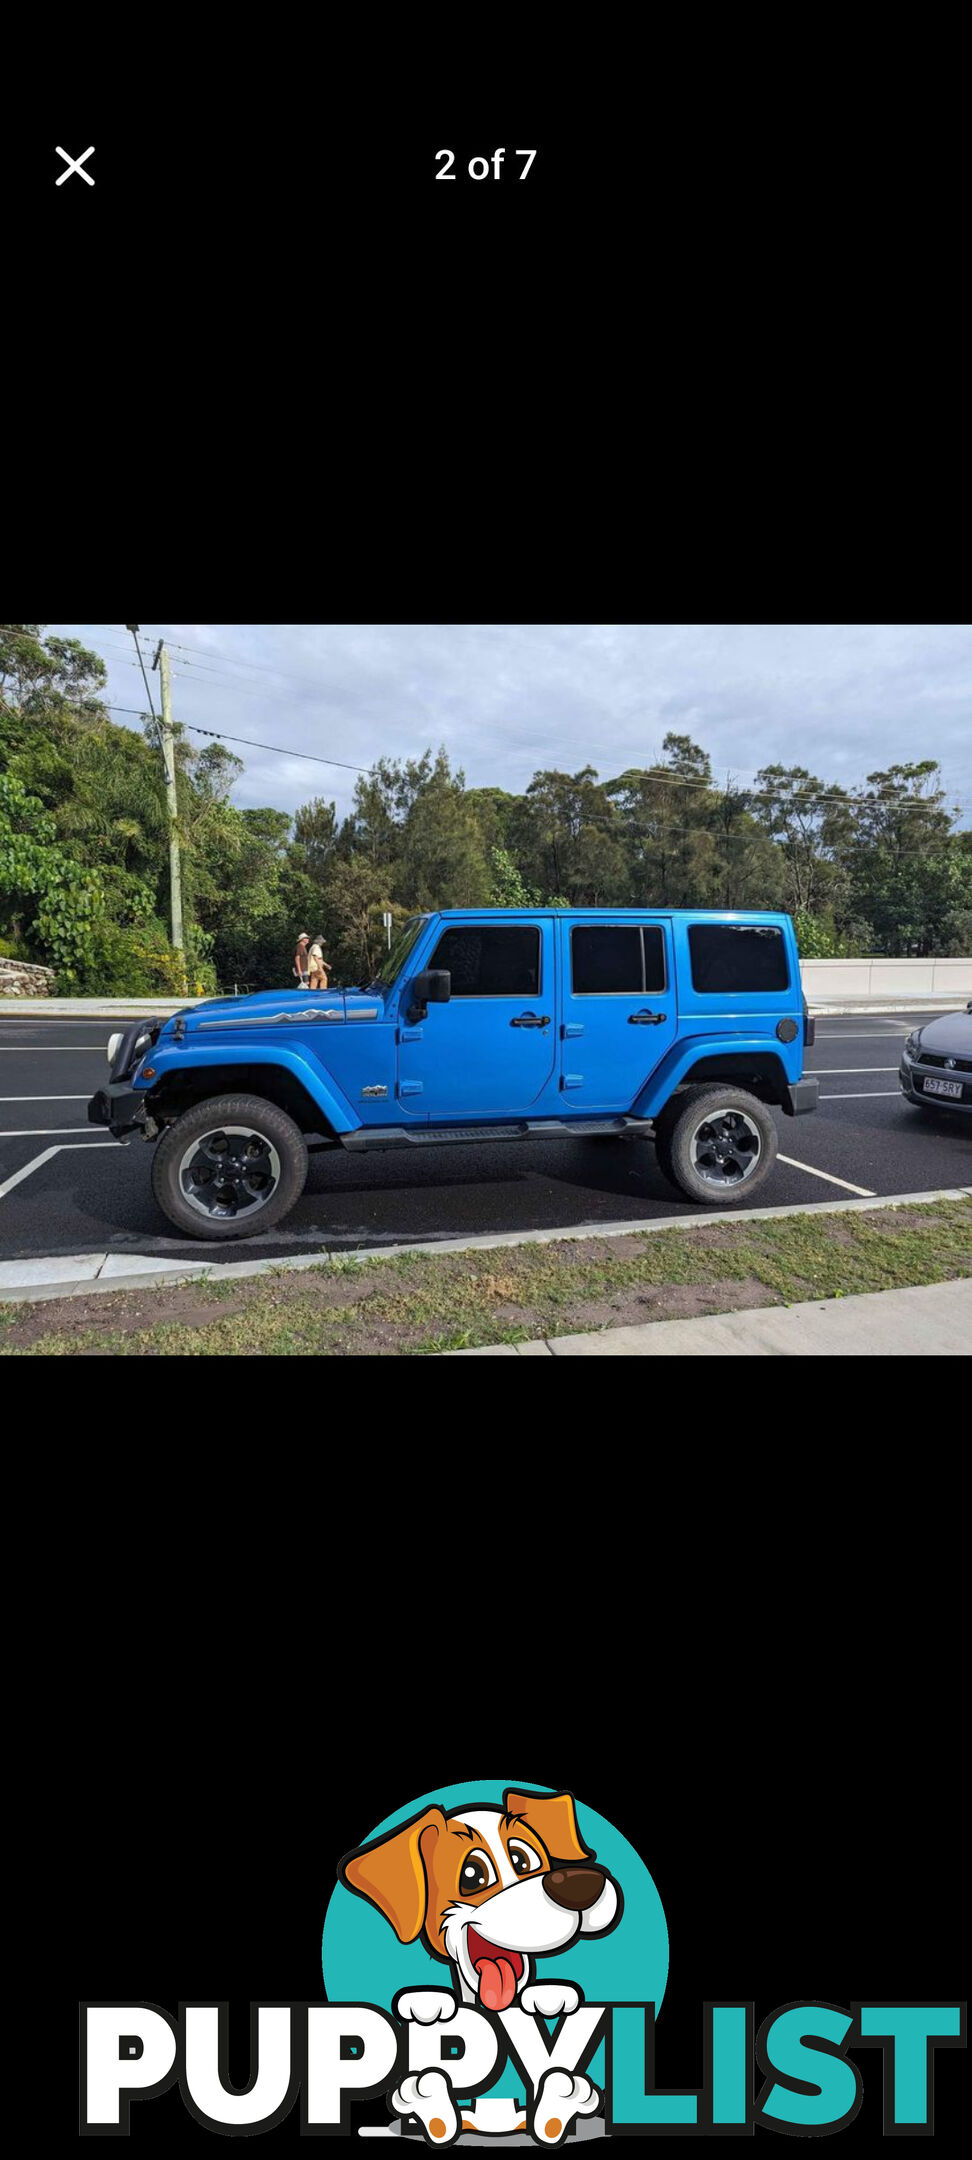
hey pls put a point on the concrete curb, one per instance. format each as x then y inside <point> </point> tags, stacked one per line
<point>884,1006</point>
<point>78,1274</point>
<point>94,1008</point>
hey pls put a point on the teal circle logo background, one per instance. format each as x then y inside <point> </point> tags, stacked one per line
<point>363,1960</point>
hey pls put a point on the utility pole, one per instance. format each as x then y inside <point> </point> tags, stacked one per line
<point>161,662</point>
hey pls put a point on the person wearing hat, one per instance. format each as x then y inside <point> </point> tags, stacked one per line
<point>317,966</point>
<point>300,959</point>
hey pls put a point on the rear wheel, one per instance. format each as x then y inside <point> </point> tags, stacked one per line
<point>716,1144</point>
<point>229,1167</point>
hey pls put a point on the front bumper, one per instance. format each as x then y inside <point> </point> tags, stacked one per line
<point>120,1107</point>
<point>800,1097</point>
<point>910,1078</point>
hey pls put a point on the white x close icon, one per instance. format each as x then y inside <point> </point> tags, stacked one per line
<point>74,165</point>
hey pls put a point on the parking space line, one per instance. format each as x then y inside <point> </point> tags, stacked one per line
<point>41,1049</point>
<point>19,1175</point>
<point>860,1094</point>
<point>818,1072</point>
<point>73,1147</point>
<point>43,1098</point>
<point>864,1192</point>
<point>28,1132</point>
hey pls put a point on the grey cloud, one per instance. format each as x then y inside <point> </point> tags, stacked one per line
<point>509,698</point>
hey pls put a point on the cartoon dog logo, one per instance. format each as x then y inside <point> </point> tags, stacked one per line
<point>489,1891</point>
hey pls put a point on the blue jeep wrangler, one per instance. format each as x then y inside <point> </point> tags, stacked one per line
<point>685,1028</point>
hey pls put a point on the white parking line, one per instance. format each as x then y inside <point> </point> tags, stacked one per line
<point>40,1132</point>
<point>863,1191</point>
<point>860,1094</point>
<point>73,1147</point>
<point>19,1175</point>
<point>43,1098</point>
<point>818,1072</point>
<point>41,1049</point>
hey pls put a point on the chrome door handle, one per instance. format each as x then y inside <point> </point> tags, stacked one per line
<point>645,1019</point>
<point>532,1020</point>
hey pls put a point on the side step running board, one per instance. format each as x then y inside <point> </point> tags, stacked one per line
<point>390,1136</point>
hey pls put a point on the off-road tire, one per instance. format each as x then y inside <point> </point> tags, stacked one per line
<point>267,1123</point>
<point>677,1127</point>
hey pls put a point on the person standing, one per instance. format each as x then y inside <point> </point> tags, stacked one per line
<point>317,966</point>
<point>300,959</point>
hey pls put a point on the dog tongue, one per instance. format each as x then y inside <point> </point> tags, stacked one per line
<point>497,1982</point>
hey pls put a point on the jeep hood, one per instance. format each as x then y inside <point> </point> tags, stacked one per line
<point>270,1008</point>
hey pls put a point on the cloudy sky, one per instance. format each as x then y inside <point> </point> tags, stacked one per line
<point>508,699</point>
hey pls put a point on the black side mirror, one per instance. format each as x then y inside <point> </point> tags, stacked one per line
<point>432,987</point>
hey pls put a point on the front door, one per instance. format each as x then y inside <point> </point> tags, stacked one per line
<point>619,1014</point>
<point>491,1050</point>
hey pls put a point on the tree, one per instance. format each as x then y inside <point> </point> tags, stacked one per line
<point>666,813</point>
<point>44,896</point>
<point>811,824</point>
<point>566,836</point>
<point>900,860</point>
<point>442,862</point>
<point>507,888</point>
<point>357,899</point>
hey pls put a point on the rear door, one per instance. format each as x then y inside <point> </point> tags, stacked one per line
<point>619,1015</point>
<point>491,1051</point>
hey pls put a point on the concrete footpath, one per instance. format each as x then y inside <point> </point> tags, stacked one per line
<point>934,1320</point>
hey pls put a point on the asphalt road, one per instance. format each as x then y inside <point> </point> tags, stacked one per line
<point>66,1187</point>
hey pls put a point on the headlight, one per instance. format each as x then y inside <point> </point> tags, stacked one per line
<point>113,1042</point>
<point>912,1048</point>
<point>142,1042</point>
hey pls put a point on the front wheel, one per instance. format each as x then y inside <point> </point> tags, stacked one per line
<point>229,1167</point>
<point>716,1144</point>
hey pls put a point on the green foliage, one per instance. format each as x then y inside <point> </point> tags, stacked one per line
<point>50,902</point>
<point>507,887</point>
<point>84,847</point>
<point>818,939</point>
<point>127,963</point>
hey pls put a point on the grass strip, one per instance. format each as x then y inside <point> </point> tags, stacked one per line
<point>421,1303</point>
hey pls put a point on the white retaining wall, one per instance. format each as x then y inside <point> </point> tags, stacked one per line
<point>878,978</point>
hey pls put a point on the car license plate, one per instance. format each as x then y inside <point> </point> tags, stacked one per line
<point>943,1087</point>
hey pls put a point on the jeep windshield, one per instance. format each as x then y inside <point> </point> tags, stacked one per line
<point>401,947</point>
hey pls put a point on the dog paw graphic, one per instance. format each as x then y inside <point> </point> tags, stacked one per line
<point>560,2097</point>
<point>554,1998</point>
<point>425,2006</point>
<point>429,2096</point>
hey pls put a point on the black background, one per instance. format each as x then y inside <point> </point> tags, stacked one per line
<point>700,365</point>
<point>770,1715</point>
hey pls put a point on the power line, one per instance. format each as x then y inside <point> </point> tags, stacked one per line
<point>847,802</point>
<point>219,736</point>
<point>210,652</point>
<point>145,679</point>
<point>796,802</point>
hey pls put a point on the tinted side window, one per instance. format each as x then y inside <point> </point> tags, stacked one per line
<point>605,958</point>
<point>734,956</point>
<point>484,962</point>
<point>654,943</point>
